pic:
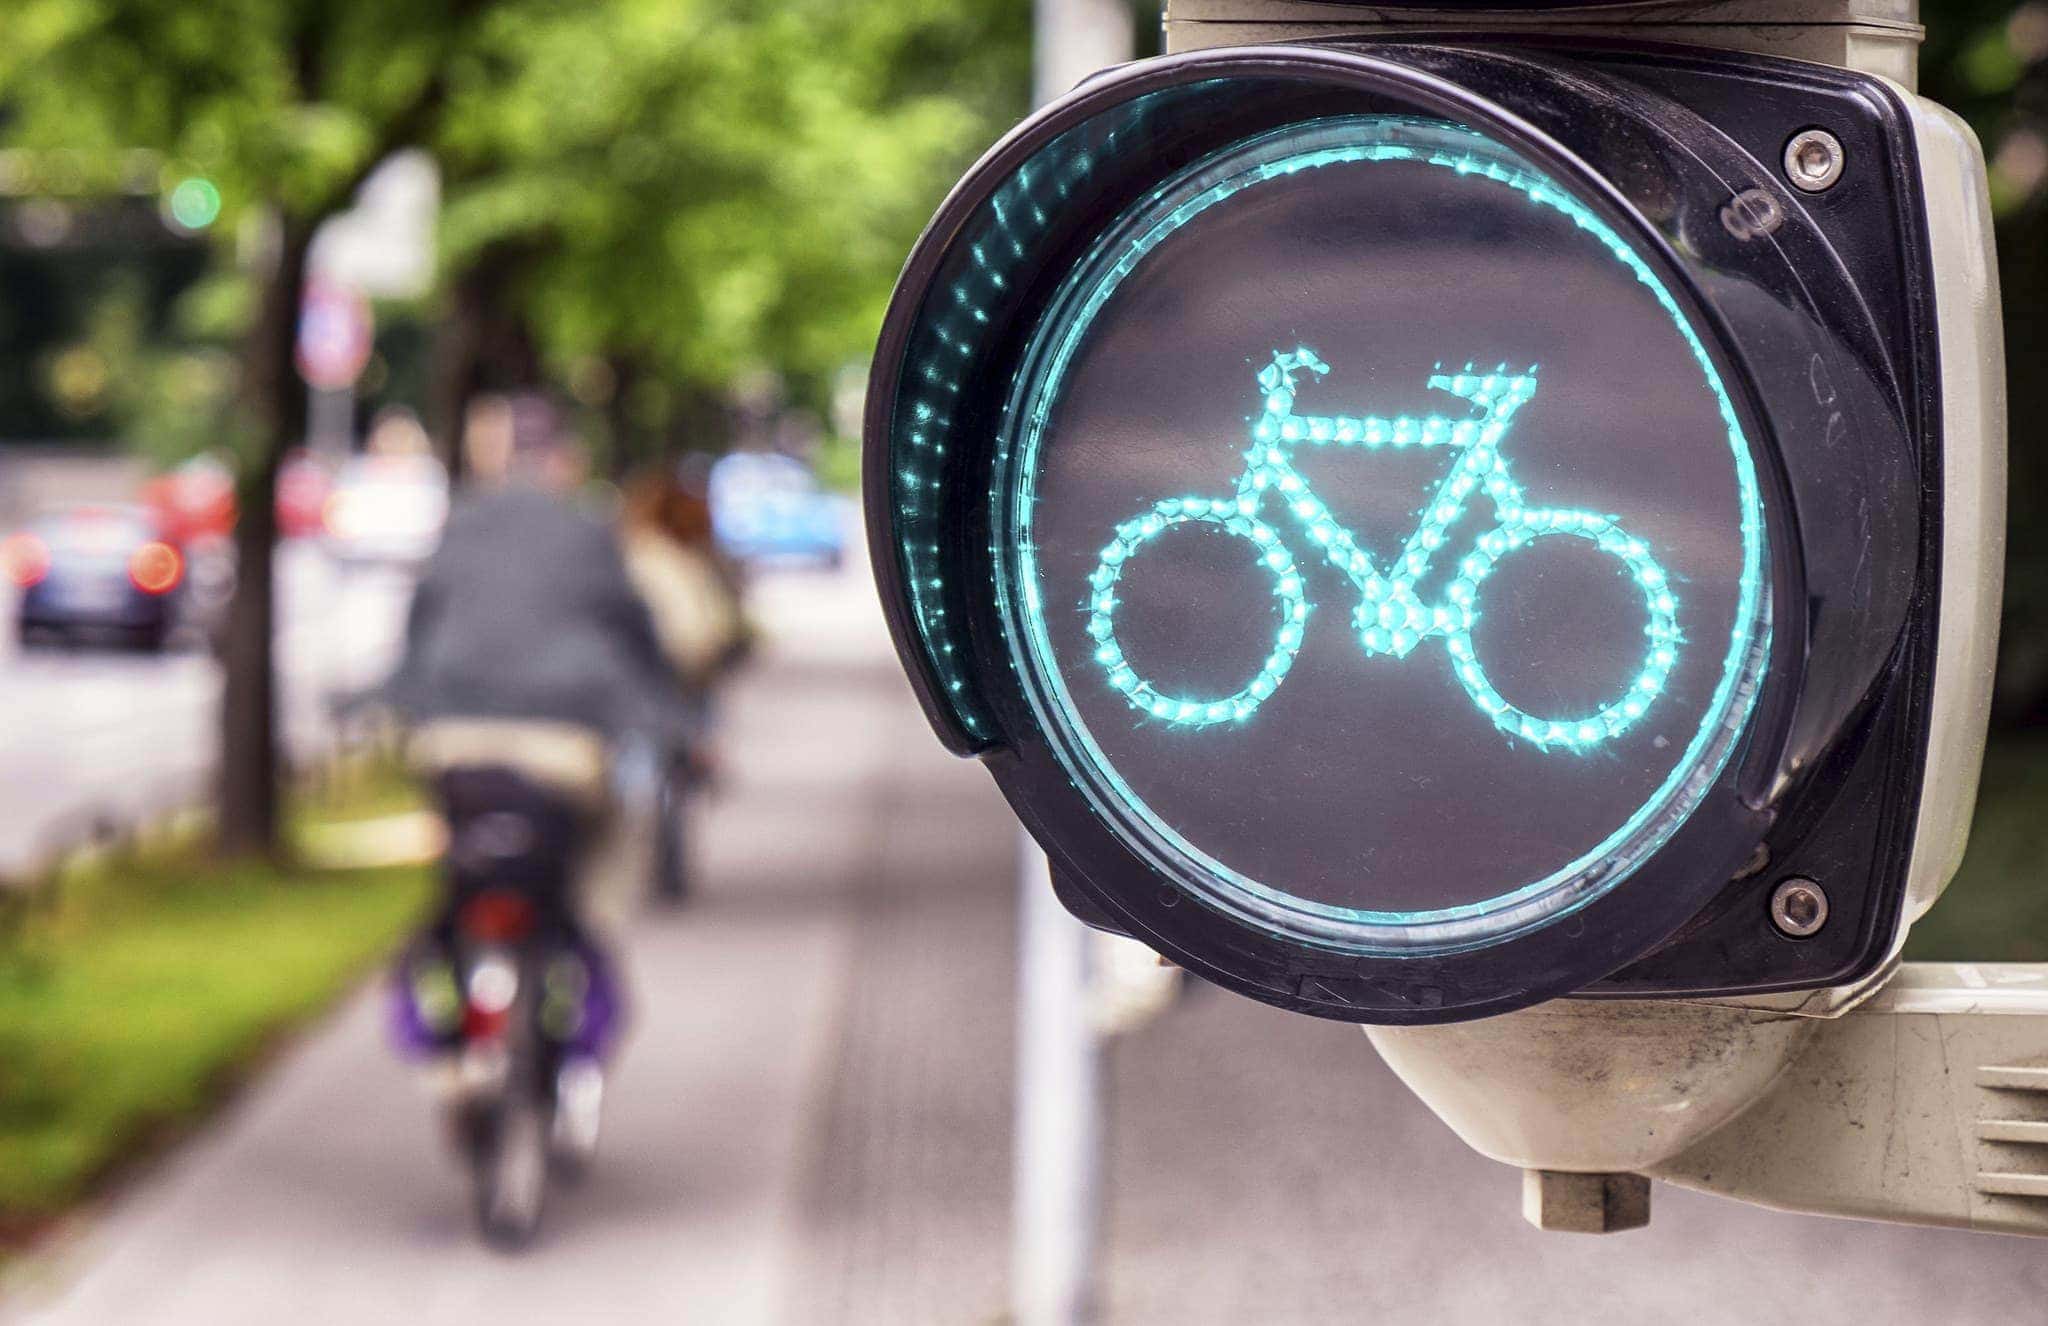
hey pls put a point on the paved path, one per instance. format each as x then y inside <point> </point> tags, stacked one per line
<point>326,1196</point>
<point>812,1125</point>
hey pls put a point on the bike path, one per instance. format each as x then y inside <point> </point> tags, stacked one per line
<point>326,1196</point>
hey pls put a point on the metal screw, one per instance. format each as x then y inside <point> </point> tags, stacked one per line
<point>1752,213</point>
<point>1813,160</point>
<point>1799,907</point>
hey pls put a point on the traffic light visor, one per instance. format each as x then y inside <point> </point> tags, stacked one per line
<point>1416,529</point>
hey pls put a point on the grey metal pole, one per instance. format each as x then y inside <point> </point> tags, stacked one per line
<point>1072,39</point>
<point>1057,1159</point>
<point>1057,1222</point>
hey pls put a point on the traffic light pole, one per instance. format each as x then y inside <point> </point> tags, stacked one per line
<point>1057,1157</point>
<point>1057,1152</point>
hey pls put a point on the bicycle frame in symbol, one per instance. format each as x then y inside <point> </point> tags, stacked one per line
<point>1390,618</point>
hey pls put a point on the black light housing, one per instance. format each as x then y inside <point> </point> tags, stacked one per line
<point>1751,372</point>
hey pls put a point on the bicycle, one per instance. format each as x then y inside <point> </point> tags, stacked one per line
<point>1390,619</point>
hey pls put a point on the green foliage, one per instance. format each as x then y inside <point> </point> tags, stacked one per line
<point>112,268</point>
<point>1995,909</point>
<point>709,187</point>
<point>278,102</point>
<point>170,390</point>
<point>281,107</point>
<point>129,1008</point>
<point>704,187</point>
<point>837,464</point>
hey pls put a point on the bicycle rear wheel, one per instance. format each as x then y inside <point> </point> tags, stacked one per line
<point>1577,732</point>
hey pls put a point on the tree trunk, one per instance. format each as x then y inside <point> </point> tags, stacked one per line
<point>451,386</point>
<point>458,372</point>
<point>249,800</point>
<point>623,445</point>
<point>700,422</point>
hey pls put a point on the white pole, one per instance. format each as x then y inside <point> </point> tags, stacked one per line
<point>1058,1149</point>
<point>1074,38</point>
<point>1057,1223</point>
<point>331,420</point>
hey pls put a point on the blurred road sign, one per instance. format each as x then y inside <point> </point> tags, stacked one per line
<point>383,245</point>
<point>335,335</point>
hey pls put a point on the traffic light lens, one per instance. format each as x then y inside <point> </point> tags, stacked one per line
<point>1377,539</point>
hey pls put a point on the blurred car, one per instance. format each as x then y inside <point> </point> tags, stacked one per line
<point>98,573</point>
<point>303,488</point>
<point>767,508</point>
<point>386,509</point>
<point>196,501</point>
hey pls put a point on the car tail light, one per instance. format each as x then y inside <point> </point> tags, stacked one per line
<point>156,567</point>
<point>497,917</point>
<point>27,559</point>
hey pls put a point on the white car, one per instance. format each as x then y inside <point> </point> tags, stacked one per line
<point>386,509</point>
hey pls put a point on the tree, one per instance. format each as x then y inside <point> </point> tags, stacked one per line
<point>285,106</point>
<point>677,190</point>
<point>700,190</point>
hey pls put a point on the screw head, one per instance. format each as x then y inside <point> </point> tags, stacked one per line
<point>1813,160</point>
<point>1752,213</point>
<point>1799,907</point>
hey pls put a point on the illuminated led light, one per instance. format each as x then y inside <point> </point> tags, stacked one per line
<point>195,202</point>
<point>1700,752</point>
<point>156,567</point>
<point>918,440</point>
<point>1399,621</point>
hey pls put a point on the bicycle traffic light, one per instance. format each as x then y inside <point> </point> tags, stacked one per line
<point>1418,528</point>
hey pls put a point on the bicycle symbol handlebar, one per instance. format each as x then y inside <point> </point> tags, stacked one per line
<point>1390,619</point>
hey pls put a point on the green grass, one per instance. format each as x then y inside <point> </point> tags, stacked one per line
<point>129,1007</point>
<point>1996,910</point>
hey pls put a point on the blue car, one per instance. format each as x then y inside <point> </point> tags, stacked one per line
<point>769,508</point>
<point>98,573</point>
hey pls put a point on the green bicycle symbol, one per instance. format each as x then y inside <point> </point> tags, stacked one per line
<point>1390,618</point>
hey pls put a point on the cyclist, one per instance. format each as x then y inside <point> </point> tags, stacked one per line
<point>692,591</point>
<point>694,597</point>
<point>527,650</point>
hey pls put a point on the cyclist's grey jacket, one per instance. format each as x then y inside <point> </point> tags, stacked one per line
<point>525,611</point>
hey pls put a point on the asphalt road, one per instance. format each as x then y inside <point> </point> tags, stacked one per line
<point>99,736</point>
<point>811,1123</point>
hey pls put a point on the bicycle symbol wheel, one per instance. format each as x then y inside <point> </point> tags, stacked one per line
<point>1661,632</point>
<point>1229,515</point>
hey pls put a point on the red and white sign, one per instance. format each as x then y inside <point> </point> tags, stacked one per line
<point>335,335</point>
